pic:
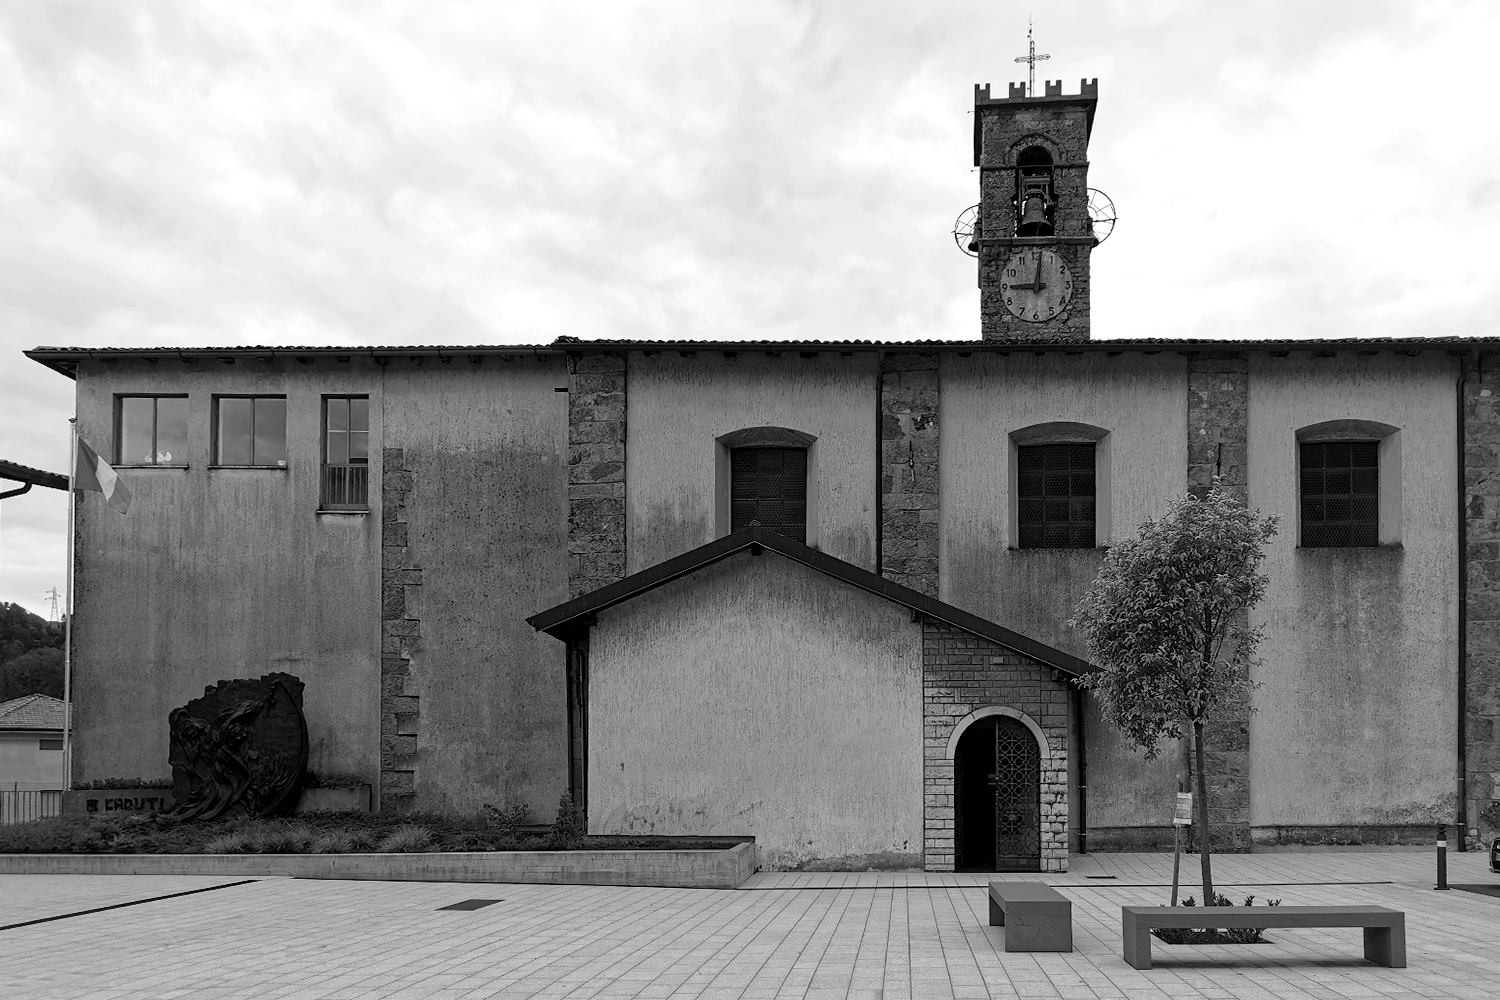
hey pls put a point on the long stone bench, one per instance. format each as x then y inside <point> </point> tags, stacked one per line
<point>1385,928</point>
<point>1036,917</point>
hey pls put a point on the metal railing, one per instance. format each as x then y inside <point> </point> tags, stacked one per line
<point>346,487</point>
<point>26,807</point>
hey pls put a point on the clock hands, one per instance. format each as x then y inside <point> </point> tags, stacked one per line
<point>1036,284</point>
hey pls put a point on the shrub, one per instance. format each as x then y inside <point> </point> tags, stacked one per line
<point>405,838</point>
<point>1228,935</point>
<point>505,821</point>
<point>567,828</point>
<point>104,784</point>
<point>234,842</point>
<point>281,838</point>
<point>335,842</point>
<point>312,779</point>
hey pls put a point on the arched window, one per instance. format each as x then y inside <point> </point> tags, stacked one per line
<point>1348,484</point>
<point>1059,495</point>
<point>766,472</point>
<point>1036,199</point>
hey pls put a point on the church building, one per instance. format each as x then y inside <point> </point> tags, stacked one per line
<point>816,593</point>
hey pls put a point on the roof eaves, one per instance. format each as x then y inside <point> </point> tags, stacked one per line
<point>16,472</point>
<point>566,619</point>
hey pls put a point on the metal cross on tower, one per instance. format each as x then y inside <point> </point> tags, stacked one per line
<point>1031,60</point>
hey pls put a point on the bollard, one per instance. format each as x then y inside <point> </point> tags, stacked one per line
<point>1442,856</point>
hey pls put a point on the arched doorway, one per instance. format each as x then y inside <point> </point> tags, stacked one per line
<point>997,778</point>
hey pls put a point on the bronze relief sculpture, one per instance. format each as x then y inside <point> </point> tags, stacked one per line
<point>241,749</point>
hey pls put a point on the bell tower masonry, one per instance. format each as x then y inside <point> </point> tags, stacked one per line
<point>1034,233</point>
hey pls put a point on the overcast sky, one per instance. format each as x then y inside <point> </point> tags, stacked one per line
<point>220,173</point>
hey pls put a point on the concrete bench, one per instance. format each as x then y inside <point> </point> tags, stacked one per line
<point>1036,917</point>
<point>1385,929</point>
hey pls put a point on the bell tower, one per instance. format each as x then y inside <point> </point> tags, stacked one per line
<point>1034,236</point>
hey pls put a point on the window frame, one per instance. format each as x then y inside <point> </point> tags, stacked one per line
<point>1062,432</point>
<point>763,437</point>
<point>119,449</point>
<point>323,464</point>
<point>1387,439</point>
<point>218,443</point>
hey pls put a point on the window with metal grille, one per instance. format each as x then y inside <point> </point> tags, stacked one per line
<point>346,453</point>
<point>769,485</point>
<point>1055,496</point>
<point>1340,490</point>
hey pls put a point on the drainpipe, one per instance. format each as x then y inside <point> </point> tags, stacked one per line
<point>1465,367</point>
<point>25,488</point>
<point>1083,772</point>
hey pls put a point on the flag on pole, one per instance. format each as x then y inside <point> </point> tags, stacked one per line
<point>94,473</point>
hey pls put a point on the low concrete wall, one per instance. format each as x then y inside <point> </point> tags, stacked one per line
<point>722,869</point>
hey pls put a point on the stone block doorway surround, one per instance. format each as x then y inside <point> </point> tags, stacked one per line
<point>967,679</point>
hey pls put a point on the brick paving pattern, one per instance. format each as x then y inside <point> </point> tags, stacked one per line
<point>814,935</point>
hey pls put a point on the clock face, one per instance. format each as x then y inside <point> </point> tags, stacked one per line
<point>1037,285</point>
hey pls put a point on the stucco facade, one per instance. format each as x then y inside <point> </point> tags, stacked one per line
<point>1359,669</point>
<point>802,694</point>
<point>678,408</point>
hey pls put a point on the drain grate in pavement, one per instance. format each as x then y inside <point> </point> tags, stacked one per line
<point>1484,890</point>
<point>471,904</point>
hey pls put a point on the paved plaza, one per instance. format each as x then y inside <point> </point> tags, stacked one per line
<point>815,935</point>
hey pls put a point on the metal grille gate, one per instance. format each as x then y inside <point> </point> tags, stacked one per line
<point>1018,797</point>
<point>997,777</point>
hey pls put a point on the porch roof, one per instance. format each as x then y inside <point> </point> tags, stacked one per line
<point>571,617</point>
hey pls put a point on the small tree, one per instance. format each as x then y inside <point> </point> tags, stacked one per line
<point>1165,622</point>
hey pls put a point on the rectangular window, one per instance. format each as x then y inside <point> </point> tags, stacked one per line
<point>153,430</point>
<point>346,453</point>
<point>46,744</point>
<point>252,431</point>
<point>769,486</point>
<point>1340,488</point>
<point>1055,496</point>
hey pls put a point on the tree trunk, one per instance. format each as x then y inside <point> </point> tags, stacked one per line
<point>1204,838</point>
<point>1184,784</point>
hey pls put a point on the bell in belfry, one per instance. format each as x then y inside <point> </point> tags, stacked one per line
<point>1034,219</point>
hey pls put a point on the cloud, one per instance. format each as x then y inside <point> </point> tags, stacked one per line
<point>221,173</point>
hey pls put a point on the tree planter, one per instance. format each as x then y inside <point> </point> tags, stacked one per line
<point>725,868</point>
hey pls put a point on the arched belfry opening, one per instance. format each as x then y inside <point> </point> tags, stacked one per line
<point>997,777</point>
<point>1036,196</point>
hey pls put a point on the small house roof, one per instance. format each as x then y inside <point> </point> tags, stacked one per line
<point>570,617</point>
<point>33,477</point>
<point>33,711</point>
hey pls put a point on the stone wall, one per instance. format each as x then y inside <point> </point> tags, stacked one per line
<point>962,674</point>
<point>909,393</point>
<point>1482,605</point>
<point>1218,411</point>
<point>399,629</point>
<point>596,471</point>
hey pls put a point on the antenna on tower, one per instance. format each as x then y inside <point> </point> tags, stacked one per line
<point>1031,59</point>
<point>53,595</point>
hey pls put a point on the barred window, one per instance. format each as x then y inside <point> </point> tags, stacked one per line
<point>1340,490</point>
<point>346,453</point>
<point>1055,496</point>
<point>769,485</point>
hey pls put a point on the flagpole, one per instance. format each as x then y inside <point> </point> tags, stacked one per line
<point>68,616</point>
